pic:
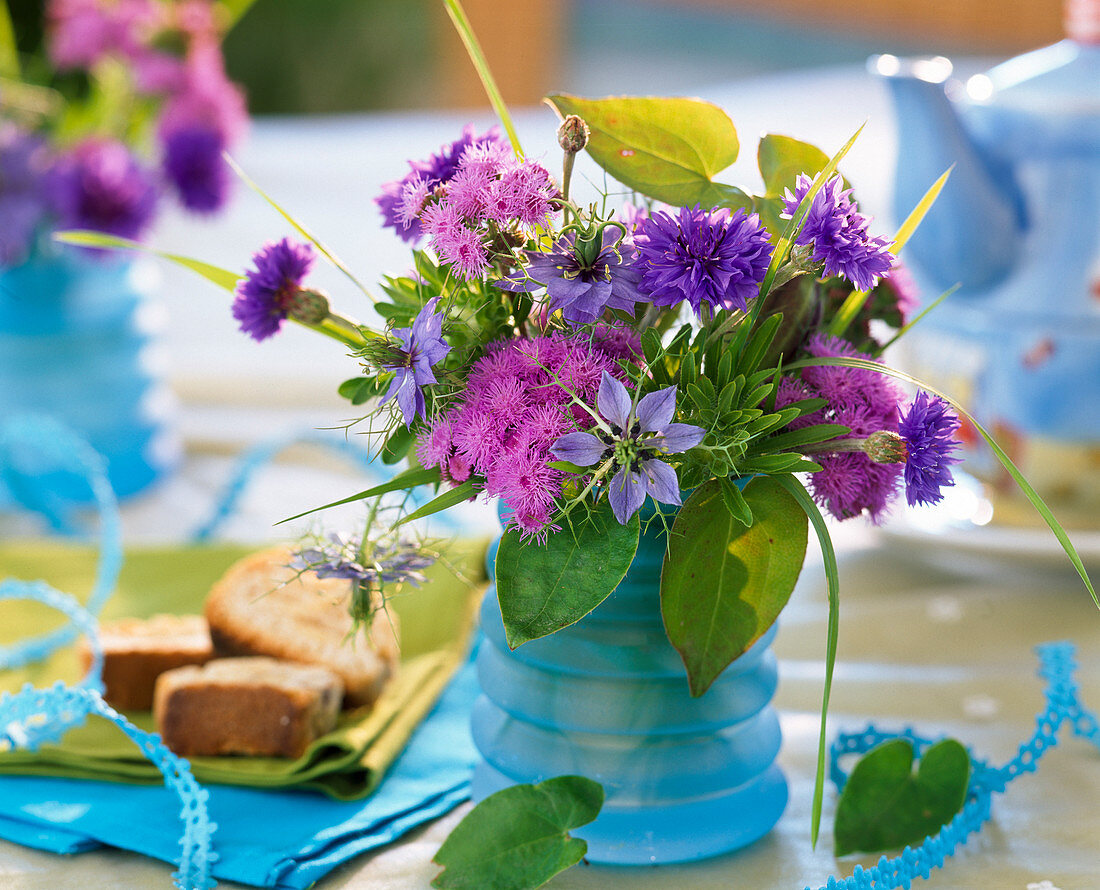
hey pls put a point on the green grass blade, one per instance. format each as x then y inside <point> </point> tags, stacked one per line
<point>448,499</point>
<point>473,49</point>
<point>221,277</point>
<point>9,51</point>
<point>855,300</point>
<point>832,576</point>
<point>302,230</point>
<point>1032,495</point>
<point>400,482</point>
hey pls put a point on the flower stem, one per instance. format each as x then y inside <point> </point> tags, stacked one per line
<point>567,173</point>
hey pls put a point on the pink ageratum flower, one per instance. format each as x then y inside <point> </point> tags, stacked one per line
<point>849,483</point>
<point>489,190</point>
<point>517,403</point>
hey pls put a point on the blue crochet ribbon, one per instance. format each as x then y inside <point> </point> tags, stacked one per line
<point>1056,666</point>
<point>31,448</point>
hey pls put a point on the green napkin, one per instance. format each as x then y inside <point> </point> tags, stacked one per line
<point>346,764</point>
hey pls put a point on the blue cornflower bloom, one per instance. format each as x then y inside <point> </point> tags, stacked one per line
<point>266,294</point>
<point>702,256</point>
<point>582,279</point>
<point>837,233</point>
<point>194,165</point>
<point>422,346</point>
<point>928,429</point>
<point>633,439</point>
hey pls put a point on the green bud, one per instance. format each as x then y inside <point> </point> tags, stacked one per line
<point>309,307</point>
<point>573,134</point>
<point>885,447</point>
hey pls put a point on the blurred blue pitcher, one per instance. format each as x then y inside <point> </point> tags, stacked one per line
<point>1018,227</point>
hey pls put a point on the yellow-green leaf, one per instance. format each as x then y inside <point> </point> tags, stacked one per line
<point>669,149</point>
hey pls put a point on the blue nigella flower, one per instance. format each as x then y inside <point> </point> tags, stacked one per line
<point>633,439</point>
<point>928,429</point>
<point>582,278</point>
<point>422,346</point>
<point>837,233</point>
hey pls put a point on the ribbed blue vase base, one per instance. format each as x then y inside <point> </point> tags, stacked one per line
<point>682,832</point>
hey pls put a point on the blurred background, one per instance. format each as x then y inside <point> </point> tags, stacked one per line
<point>324,56</point>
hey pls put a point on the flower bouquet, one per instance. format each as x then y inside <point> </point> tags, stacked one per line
<point>131,104</point>
<point>663,394</point>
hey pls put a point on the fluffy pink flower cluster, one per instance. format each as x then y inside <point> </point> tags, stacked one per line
<point>517,403</point>
<point>490,189</point>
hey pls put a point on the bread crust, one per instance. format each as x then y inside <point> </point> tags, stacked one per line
<point>138,650</point>
<point>252,706</point>
<point>263,607</point>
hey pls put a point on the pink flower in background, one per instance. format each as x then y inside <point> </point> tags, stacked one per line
<point>84,31</point>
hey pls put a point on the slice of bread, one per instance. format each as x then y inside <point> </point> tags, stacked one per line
<point>255,706</point>
<point>138,650</point>
<point>262,607</point>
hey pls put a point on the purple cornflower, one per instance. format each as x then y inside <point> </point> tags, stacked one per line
<point>422,346</point>
<point>582,278</point>
<point>516,404</point>
<point>837,232</point>
<point>928,429</point>
<point>99,185</point>
<point>631,439</point>
<point>456,242</point>
<point>200,122</point>
<point>24,161</point>
<point>193,163</point>
<point>437,169</point>
<point>866,402</point>
<point>266,294</point>
<point>702,256</point>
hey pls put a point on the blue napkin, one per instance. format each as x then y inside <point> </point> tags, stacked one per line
<point>285,839</point>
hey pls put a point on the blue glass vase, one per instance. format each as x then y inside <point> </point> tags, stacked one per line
<point>79,340</point>
<point>685,778</point>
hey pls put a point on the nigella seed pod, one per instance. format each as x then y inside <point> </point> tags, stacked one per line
<point>309,307</point>
<point>573,134</point>
<point>885,447</point>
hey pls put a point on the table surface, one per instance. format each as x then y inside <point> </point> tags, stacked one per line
<point>944,644</point>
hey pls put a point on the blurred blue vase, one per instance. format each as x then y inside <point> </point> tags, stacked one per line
<point>685,778</point>
<point>79,340</point>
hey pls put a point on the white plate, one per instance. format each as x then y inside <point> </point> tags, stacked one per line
<point>963,524</point>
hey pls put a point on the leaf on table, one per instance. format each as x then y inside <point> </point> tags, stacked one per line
<point>723,584</point>
<point>517,839</point>
<point>545,587</point>
<point>667,148</point>
<point>886,806</point>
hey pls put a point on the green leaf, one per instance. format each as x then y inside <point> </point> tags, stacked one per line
<point>221,277</point>
<point>667,148</point>
<point>832,577</point>
<point>517,839</point>
<point>723,585</point>
<point>545,587</point>
<point>9,51</point>
<point>408,479</point>
<point>782,158</point>
<point>358,390</point>
<point>735,502</point>
<point>885,806</point>
<point>398,445</point>
<point>235,11</point>
<point>568,467</point>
